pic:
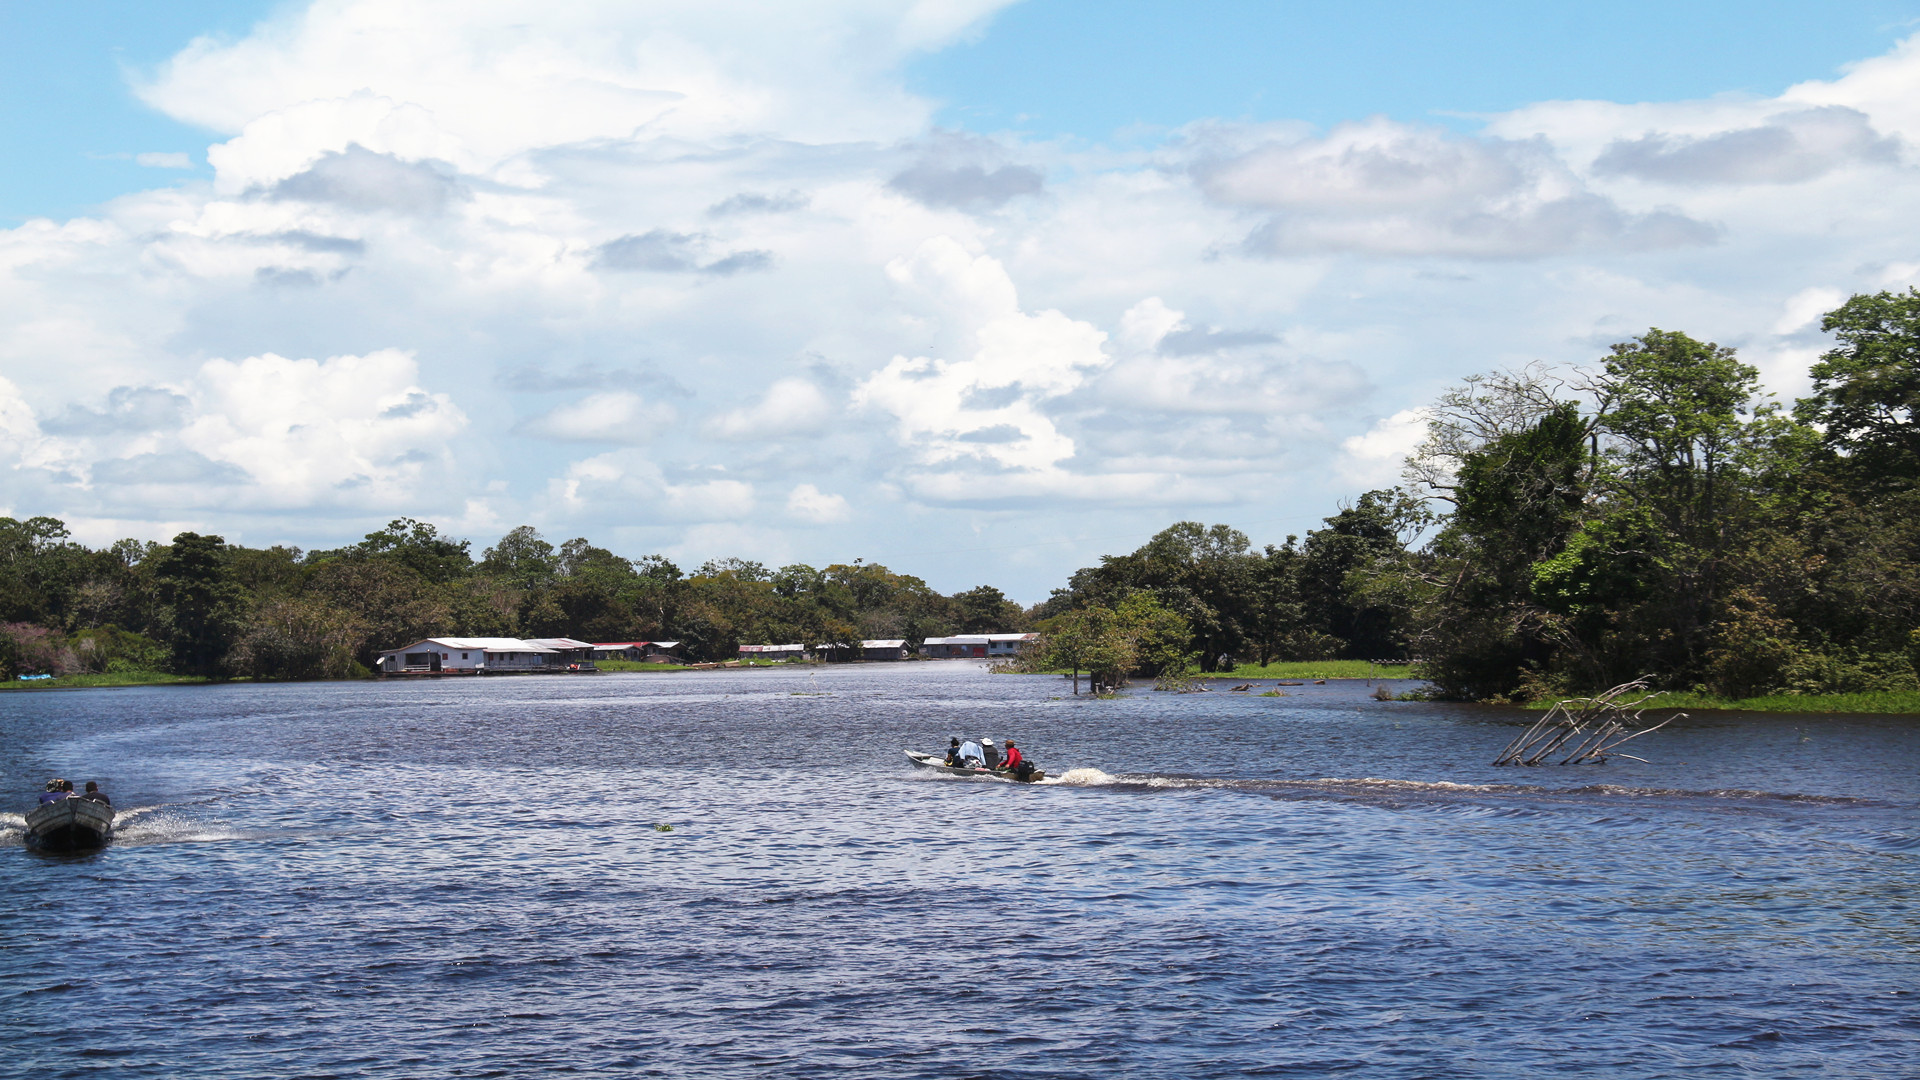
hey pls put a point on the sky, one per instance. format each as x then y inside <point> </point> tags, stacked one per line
<point>979,290</point>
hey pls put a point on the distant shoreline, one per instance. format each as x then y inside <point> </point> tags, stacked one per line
<point>1877,703</point>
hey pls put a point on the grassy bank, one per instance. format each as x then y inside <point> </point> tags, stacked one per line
<point>635,665</point>
<point>111,678</point>
<point>1316,669</point>
<point>1884,701</point>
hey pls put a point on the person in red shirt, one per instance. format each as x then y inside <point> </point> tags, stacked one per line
<point>1014,757</point>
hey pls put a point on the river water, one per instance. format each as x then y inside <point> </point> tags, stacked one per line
<point>735,873</point>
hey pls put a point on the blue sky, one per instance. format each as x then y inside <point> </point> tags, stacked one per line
<point>975,289</point>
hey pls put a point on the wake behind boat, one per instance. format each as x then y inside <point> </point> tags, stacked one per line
<point>928,761</point>
<point>70,825</point>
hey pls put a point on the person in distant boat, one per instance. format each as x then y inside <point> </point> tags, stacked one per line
<point>56,790</point>
<point>971,755</point>
<point>1013,759</point>
<point>953,751</point>
<point>989,755</point>
<point>94,794</point>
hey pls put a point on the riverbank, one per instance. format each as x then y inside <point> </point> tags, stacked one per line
<point>1883,701</point>
<point>1314,669</point>
<point>106,679</point>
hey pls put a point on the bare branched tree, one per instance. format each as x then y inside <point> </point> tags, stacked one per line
<point>1469,416</point>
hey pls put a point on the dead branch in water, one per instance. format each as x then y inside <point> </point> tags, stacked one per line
<point>1593,726</point>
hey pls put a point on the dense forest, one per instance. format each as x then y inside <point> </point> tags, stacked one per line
<point>1562,532</point>
<point>1557,532</point>
<point>201,606</point>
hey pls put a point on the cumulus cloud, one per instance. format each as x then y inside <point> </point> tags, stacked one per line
<point>1788,148</point>
<point>1374,459</point>
<point>672,253</point>
<point>639,485</point>
<point>618,416</point>
<point>307,430</point>
<point>962,172</point>
<point>1182,369</point>
<point>945,409</point>
<point>127,410</point>
<point>810,504</point>
<point>789,407</point>
<point>359,179</point>
<point>1385,188</point>
<point>566,215</point>
<point>751,202</point>
<point>476,86</point>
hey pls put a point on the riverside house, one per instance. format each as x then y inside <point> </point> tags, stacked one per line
<point>643,652</point>
<point>470,656</point>
<point>975,645</point>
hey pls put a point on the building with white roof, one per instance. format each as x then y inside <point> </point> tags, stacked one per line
<point>976,645</point>
<point>478,655</point>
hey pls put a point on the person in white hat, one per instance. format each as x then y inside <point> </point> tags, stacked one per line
<point>989,753</point>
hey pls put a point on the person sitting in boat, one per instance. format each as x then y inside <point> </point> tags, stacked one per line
<point>953,752</point>
<point>57,789</point>
<point>989,755</point>
<point>970,754</point>
<point>1018,765</point>
<point>94,794</point>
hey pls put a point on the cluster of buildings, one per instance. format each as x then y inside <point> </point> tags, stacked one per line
<point>558,656</point>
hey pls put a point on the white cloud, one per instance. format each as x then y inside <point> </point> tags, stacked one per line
<point>1804,308</point>
<point>310,431</point>
<point>159,160</point>
<point>618,416</point>
<point>637,486</point>
<point>1374,459</point>
<point>958,416</point>
<point>587,222</point>
<point>790,407</point>
<point>808,503</point>
<point>1393,189</point>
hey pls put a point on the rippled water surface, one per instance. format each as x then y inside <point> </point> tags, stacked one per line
<point>737,873</point>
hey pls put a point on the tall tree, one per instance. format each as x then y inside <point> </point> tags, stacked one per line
<point>1866,390</point>
<point>202,602</point>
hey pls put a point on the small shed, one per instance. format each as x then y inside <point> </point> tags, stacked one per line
<point>574,655</point>
<point>795,651</point>
<point>641,652</point>
<point>884,649</point>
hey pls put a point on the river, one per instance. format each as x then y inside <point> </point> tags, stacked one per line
<point>734,873</point>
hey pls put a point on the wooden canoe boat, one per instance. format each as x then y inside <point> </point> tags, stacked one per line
<point>70,825</point>
<point>928,761</point>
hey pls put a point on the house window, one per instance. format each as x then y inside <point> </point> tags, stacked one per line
<point>463,656</point>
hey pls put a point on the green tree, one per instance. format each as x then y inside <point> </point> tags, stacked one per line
<point>203,604</point>
<point>1866,390</point>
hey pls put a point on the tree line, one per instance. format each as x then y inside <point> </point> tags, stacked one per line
<point>1556,532</point>
<point>202,606</point>
<point>1559,532</point>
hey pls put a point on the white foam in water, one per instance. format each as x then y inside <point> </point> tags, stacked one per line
<point>1082,778</point>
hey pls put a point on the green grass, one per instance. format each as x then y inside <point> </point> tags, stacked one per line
<point>635,665</point>
<point>1883,701</point>
<point>112,678</point>
<point>1316,669</point>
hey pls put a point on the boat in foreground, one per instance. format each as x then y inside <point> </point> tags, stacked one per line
<point>928,761</point>
<point>69,825</point>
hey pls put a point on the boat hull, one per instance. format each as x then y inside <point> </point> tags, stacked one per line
<point>928,761</point>
<point>70,825</point>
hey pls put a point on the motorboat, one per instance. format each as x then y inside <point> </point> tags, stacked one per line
<point>70,825</point>
<point>928,761</point>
